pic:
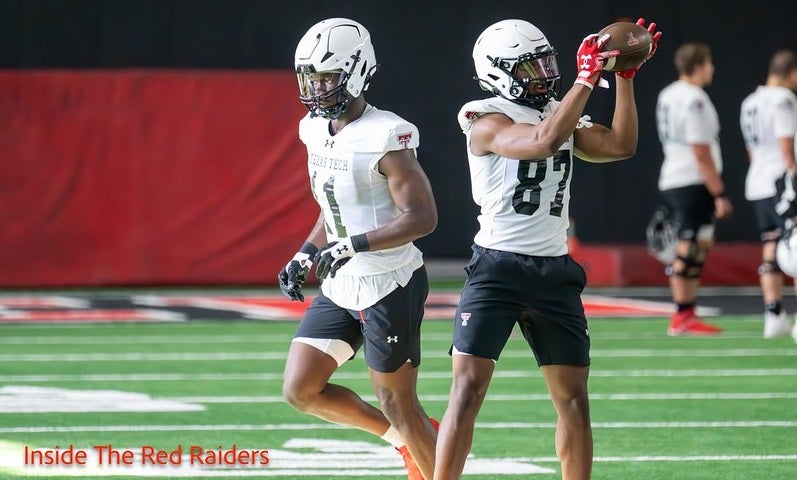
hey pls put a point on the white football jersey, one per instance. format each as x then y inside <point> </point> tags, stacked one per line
<point>768,114</point>
<point>354,198</point>
<point>524,203</point>
<point>685,116</point>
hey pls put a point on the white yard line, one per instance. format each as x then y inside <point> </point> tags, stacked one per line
<point>329,426</point>
<point>139,339</point>
<point>280,356</point>
<point>44,404</point>
<point>498,397</point>
<point>671,458</point>
<point>286,338</point>
<point>428,374</point>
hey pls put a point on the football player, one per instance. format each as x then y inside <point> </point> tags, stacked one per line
<point>690,179</point>
<point>520,148</point>
<point>769,121</point>
<point>375,200</point>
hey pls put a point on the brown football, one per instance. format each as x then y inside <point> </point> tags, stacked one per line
<point>633,41</point>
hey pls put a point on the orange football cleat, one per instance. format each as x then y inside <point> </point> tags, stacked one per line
<point>413,472</point>
<point>688,323</point>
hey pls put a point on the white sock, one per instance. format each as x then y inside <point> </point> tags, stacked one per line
<point>393,437</point>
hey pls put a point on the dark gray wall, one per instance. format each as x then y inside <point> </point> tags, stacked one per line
<point>424,51</point>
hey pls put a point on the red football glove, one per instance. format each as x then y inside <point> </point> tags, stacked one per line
<point>590,59</point>
<point>656,36</point>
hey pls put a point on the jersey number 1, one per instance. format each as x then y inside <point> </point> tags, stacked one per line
<point>526,199</point>
<point>329,193</point>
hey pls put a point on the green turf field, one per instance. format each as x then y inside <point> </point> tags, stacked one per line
<point>662,408</point>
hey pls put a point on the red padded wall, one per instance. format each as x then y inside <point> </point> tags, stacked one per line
<point>727,264</point>
<point>140,177</point>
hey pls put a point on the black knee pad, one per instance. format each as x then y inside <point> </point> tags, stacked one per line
<point>689,266</point>
<point>768,266</point>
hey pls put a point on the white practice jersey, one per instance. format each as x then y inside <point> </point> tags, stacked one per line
<point>768,114</point>
<point>524,203</point>
<point>354,198</point>
<point>685,116</point>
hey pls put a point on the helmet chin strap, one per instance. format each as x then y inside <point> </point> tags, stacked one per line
<point>534,101</point>
<point>486,86</point>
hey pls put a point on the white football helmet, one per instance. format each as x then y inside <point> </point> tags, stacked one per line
<point>786,251</point>
<point>662,236</point>
<point>334,63</point>
<point>513,55</point>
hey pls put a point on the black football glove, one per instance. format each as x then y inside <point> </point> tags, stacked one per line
<point>332,256</point>
<point>294,274</point>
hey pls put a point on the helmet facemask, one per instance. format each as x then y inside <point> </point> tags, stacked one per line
<point>527,71</point>
<point>319,88</point>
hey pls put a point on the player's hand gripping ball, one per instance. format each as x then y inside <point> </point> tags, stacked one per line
<point>634,41</point>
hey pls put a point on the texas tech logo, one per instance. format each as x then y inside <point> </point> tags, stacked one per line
<point>404,139</point>
<point>632,40</point>
<point>465,317</point>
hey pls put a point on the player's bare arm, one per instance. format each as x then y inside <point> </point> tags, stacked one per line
<point>712,180</point>
<point>318,235</point>
<point>786,145</point>
<point>705,163</point>
<point>412,194</point>
<point>601,144</point>
<point>497,133</point>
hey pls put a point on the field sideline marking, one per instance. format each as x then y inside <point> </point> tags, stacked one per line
<point>328,426</point>
<point>429,374</point>
<point>238,356</point>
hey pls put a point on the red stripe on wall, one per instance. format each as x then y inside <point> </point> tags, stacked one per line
<point>139,177</point>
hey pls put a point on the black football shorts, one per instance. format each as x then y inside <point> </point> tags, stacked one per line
<point>541,294</point>
<point>770,224</point>
<point>692,207</point>
<point>390,329</point>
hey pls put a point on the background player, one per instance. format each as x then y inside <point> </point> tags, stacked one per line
<point>690,179</point>
<point>769,121</point>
